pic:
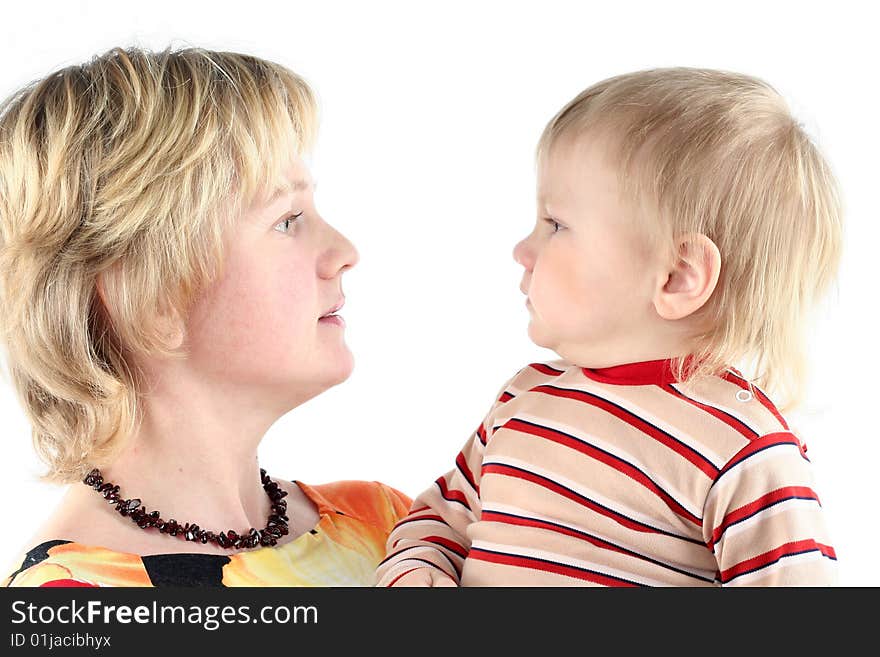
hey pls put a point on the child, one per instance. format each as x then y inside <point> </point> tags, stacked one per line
<point>685,223</point>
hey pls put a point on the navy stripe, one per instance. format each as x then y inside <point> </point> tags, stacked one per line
<point>408,520</point>
<point>464,475</point>
<point>733,464</point>
<point>422,547</point>
<point>449,499</point>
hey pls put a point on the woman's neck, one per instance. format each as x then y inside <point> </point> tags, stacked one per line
<point>195,462</point>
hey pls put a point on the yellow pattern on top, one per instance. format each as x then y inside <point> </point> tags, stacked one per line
<point>343,549</point>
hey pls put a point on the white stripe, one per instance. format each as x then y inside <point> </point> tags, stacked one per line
<point>730,479</point>
<point>763,516</point>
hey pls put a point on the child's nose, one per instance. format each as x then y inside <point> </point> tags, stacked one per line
<point>523,255</point>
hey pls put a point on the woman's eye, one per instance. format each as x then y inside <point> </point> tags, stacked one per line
<point>286,223</point>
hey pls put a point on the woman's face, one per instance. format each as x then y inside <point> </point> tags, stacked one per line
<point>266,324</point>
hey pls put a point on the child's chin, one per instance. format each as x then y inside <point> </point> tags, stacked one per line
<point>540,337</point>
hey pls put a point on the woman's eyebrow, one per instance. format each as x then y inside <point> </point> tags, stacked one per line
<point>291,186</point>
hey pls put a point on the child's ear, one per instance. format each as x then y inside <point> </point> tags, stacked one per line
<point>688,282</point>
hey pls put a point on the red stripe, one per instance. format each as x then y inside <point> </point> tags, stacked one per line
<point>448,544</point>
<point>706,466</point>
<point>557,568</point>
<point>545,369</point>
<point>67,583</point>
<point>787,549</point>
<point>760,504</point>
<point>452,493</point>
<point>505,397</point>
<point>765,401</point>
<point>410,518</point>
<point>481,434</point>
<point>405,572</point>
<point>767,440</point>
<point>733,422</point>
<point>561,490</point>
<point>491,516</point>
<point>612,461</point>
<point>466,471</point>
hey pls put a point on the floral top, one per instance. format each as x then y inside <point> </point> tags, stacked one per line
<point>343,549</point>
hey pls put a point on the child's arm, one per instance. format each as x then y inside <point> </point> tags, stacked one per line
<point>763,519</point>
<point>428,547</point>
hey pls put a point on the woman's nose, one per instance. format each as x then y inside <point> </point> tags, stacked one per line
<point>340,256</point>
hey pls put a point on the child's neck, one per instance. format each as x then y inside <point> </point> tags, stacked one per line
<point>660,345</point>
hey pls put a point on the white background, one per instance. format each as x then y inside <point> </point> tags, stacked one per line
<point>430,116</point>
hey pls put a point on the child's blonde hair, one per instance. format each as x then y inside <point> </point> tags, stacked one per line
<point>719,153</point>
<point>129,167</point>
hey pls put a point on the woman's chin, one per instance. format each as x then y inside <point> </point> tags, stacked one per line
<point>340,368</point>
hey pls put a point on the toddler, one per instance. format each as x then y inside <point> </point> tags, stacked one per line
<point>685,224</point>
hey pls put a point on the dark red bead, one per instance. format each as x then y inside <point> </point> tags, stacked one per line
<point>276,525</point>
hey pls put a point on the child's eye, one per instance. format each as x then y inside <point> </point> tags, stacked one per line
<point>286,222</point>
<point>554,224</point>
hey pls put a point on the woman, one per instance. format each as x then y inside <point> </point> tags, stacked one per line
<point>169,291</point>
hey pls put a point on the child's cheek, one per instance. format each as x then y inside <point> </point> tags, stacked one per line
<point>554,296</point>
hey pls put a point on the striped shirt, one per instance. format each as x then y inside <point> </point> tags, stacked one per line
<point>621,476</point>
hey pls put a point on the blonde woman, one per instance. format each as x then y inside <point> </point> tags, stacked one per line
<point>169,290</point>
<point>685,224</point>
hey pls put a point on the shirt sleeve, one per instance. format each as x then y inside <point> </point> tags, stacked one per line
<point>434,532</point>
<point>763,519</point>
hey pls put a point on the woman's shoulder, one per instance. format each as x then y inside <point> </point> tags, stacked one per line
<point>373,502</point>
<point>61,562</point>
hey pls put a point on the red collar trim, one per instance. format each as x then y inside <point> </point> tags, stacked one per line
<point>656,372</point>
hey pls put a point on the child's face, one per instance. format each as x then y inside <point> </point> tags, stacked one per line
<point>587,273</point>
<point>260,326</point>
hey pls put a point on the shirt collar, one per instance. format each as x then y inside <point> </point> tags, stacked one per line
<point>648,372</point>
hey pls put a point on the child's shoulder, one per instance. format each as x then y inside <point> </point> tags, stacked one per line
<point>537,373</point>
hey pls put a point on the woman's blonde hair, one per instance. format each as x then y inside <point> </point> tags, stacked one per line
<point>719,153</point>
<point>127,170</point>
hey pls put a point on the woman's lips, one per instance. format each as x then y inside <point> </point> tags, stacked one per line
<point>334,320</point>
